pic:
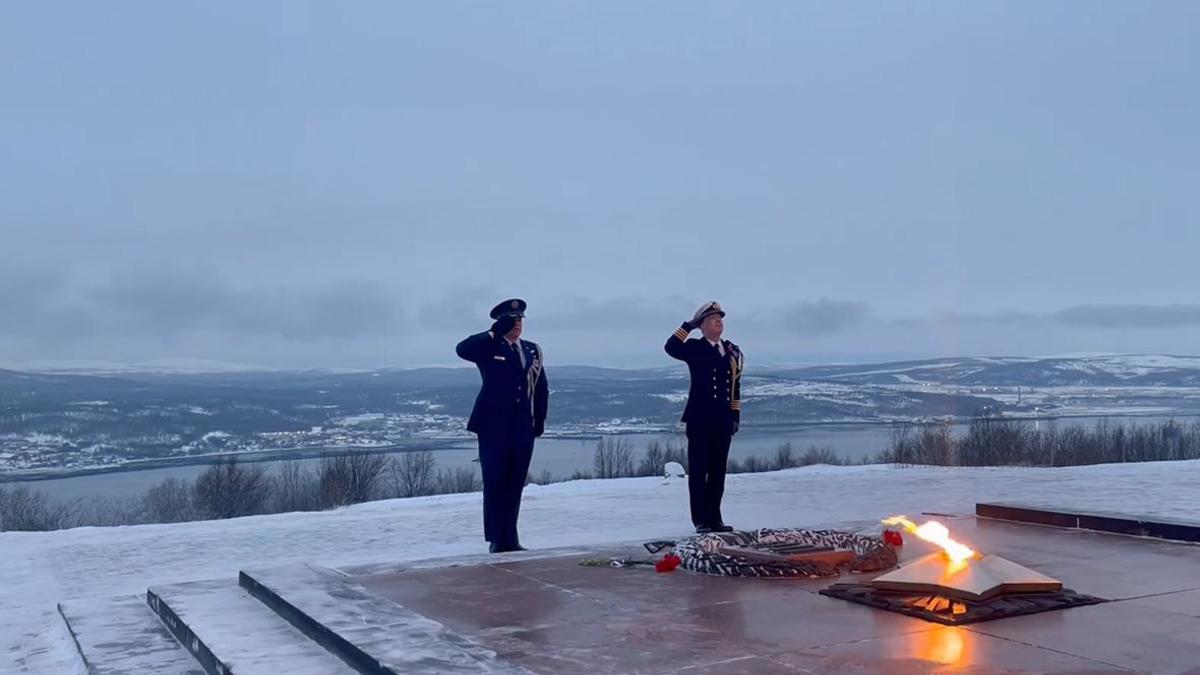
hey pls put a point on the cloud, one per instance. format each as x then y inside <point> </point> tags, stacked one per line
<point>1130,316</point>
<point>824,316</point>
<point>1015,318</point>
<point>166,303</point>
<point>198,311</point>
<point>624,314</point>
<point>462,309</point>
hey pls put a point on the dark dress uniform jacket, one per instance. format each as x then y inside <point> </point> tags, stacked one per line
<point>512,393</point>
<point>714,396</point>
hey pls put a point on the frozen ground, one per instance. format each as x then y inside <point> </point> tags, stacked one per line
<point>39,569</point>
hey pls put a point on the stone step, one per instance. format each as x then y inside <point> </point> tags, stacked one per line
<point>231,633</point>
<point>122,636</point>
<point>376,635</point>
<point>1117,523</point>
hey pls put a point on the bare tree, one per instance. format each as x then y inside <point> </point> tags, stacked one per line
<point>98,511</point>
<point>294,488</point>
<point>351,478</point>
<point>676,451</point>
<point>23,510</point>
<point>652,461</point>
<point>901,446</point>
<point>460,479</point>
<point>411,474</point>
<point>753,464</point>
<point>815,455</point>
<point>784,459</point>
<point>171,501</point>
<point>231,489</point>
<point>613,458</point>
<point>933,445</point>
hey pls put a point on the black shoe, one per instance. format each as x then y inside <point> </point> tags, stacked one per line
<point>703,529</point>
<point>722,527</point>
<point>506,548</point>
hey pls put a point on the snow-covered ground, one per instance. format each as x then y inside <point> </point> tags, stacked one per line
<point>39,569</point>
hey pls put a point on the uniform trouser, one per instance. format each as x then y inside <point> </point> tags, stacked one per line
<point>504,461</point>
<point>708,452</point>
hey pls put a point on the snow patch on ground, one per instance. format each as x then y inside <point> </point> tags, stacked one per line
<point>42,568</point>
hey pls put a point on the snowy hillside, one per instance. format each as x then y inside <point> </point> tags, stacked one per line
<point>40,569</point>
<point>56,422</point>
<point>1099,370</point>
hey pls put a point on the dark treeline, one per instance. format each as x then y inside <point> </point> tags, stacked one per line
<point>1005,442</point>
<point>614,458</point>
<point>232,489</point>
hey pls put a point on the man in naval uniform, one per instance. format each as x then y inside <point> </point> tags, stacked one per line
<point>510,411</point>
<point>713,411</point>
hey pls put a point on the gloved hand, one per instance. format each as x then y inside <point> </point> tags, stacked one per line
<point>539,428</point>
<point>503,325</point>
<point>690,325</point>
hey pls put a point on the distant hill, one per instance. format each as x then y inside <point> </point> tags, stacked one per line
<point>1138,370</point>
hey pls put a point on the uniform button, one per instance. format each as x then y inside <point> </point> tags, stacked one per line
<point>714,395</point>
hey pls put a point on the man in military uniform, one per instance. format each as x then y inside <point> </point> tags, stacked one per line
<point>510,411</point>
<point>713,411</point>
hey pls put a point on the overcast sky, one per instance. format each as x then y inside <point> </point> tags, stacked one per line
<point>355,184</point>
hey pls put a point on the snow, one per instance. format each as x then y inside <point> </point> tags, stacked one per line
<point>399,638</point>
<point>222,614</point>
<point>41,568</point>
<point>112,631</point>
<point>38,438</point>
<point>1121,366</point>
<point>754,388</point>
<point>37,641</point>
<point>1127,366</point>
<point>673,470</point>
<point>364,418</point>
<point>872,370</point>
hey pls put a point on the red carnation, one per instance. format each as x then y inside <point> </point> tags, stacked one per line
<point>668,563</point>
<point>893,537</point>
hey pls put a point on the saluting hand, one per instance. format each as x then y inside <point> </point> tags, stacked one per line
<point>503,325</point>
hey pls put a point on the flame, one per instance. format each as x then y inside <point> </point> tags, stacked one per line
<point>936,533</point>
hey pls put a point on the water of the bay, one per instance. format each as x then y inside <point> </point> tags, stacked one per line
<point>559,456</point>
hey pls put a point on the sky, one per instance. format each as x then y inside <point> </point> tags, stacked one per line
<point>308,185</point>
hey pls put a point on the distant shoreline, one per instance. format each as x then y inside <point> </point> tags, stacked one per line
<point>417,445</point>
<point>252,456</point>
